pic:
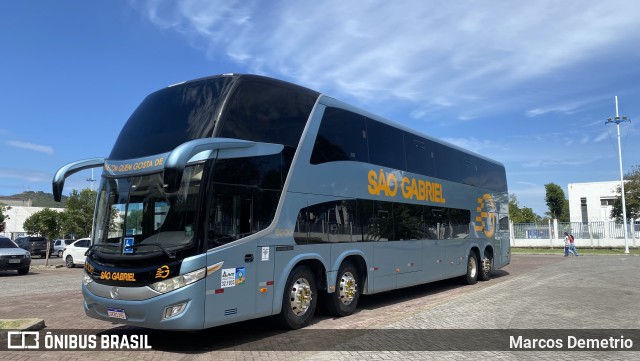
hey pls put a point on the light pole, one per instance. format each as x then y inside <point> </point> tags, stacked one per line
<point>91,180</point>
<point>617,120</point>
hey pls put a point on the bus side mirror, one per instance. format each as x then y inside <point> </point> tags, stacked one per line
<point>69,169</point>
<point>205,148</point>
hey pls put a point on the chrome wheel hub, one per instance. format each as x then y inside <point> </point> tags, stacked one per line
<point>473,267</point>
<point>348,288</point>
<point>301,296</point>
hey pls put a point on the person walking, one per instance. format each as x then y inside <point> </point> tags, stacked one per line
<point>566,244</point>
<point>572,246</point>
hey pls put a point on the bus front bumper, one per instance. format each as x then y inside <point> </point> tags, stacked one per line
<point>181,309</point>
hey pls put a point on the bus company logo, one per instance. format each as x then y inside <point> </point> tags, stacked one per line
<point>388,183</point>
<point>163,272</point>
<point>486,218</point>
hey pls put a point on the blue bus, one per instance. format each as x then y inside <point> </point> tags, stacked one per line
<point>239,196</point>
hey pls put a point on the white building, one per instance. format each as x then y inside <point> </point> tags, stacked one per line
<point>592,202</point>
<point>17,215</point>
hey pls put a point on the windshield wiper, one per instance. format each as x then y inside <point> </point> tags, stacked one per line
<point>99,245</point>
<point>171,255</point>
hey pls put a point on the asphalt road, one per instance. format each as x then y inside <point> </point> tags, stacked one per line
<point>539,293</point>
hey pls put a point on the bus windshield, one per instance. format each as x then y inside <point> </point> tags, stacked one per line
<point>135,216</point>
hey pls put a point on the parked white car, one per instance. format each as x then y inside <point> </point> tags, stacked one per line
<point>74,253</point>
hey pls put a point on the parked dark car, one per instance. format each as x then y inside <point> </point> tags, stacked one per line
<point>13,257</point>
<point>37,246</point>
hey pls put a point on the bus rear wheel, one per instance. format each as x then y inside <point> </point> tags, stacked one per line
<point>344,300</point>
<point>300,298</point>
<point>471,278</point>
<point>486,267</point>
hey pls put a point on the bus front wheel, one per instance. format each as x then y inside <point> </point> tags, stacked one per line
<point>344,300</point>
<point>300,298</point>
<point>471,278</point>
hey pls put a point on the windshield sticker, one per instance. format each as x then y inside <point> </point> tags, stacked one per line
<point>228,278</point>
<point>128,245</point>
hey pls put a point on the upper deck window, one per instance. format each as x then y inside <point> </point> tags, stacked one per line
<point>172,116</point>
<point>342,136</point>
<point>267,112</point>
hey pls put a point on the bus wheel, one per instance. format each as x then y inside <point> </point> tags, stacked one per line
<point>471,278</point>
<point>344,300</point>
<point>487,266</point>
<point>299,299</point>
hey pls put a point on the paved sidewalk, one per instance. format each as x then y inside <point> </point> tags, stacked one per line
<point>535,292</point>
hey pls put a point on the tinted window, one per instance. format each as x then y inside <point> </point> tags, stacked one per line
<point>238,211</point>
<point>268,113</point>
<point>264,172</point>
<point>386,145</point>
<point>448,162</point>
<point>491,175</point>
<point>334,221</point>
<point>409,221</point>
<point>6,243</point>
<point>341,137</point>
<point>83,243</point>
<point>366,220</point>
<point>419,155</point>
<point>172,116</point>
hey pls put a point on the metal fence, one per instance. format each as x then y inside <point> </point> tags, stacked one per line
<point>589,230</point>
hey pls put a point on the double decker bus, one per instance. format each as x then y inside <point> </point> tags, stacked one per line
<point>234,197</point>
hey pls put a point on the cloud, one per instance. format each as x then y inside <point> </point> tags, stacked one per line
<point>30,176</point>
<point>432,54</point>
<point>30,146</point>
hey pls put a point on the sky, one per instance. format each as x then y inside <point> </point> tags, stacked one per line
<point>529,84</point>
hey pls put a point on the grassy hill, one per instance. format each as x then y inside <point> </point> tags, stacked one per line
<point>39,199</point>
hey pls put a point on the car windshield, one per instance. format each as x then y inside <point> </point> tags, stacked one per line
<point>6,243</point>
<point>135,216</point>
<point>36,239</point>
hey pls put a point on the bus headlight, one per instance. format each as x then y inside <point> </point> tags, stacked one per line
<point>86,279</point>
<point>174,283</point>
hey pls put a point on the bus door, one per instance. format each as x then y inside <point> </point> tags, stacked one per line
<point>231,287</point>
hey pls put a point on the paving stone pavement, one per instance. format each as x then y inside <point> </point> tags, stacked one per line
<point>534,292</point>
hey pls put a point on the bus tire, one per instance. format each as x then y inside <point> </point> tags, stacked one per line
<point>485,273</point>
<point>344,300</point>
<point>471,278</point>
<point>299,299</point>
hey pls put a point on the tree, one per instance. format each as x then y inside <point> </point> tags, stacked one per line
<point>521,215</point>
<point>3,216</point>
<point>47,223</point>
<point>557,203</point>
<point>632,196</point>
<point>78,215</point>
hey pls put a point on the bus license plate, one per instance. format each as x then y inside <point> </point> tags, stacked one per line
<point>116,313</point>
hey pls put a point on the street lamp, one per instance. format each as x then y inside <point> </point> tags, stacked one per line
<point>91,180</point>
<point>617,120</point>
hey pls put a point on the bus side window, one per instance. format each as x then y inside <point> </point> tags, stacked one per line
<point>342,137</point>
